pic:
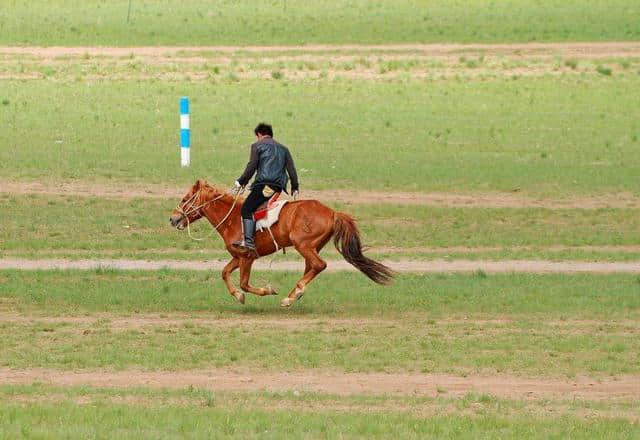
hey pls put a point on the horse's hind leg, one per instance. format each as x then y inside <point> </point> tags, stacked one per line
<point>313,266</point>
<point>245,274</point>
<point>226,272</point>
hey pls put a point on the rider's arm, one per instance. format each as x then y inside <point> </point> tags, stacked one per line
<point>252,166</point>
<point>291,169</point>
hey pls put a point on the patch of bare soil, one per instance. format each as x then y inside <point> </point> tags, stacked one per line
<point>482,249</point>
<point>608,49</point>
<point>452,327</point>
<point>431,266</point>
<point>136,322</point>
<point>354,74</point>
<point>88,189</point>
<point>360,62</point>
<point>490,200</point>
<point>625,387</point>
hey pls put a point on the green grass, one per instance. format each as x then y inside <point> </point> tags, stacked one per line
<point>137,422</point>
<point>519,324</point>
<point>332,294</point>
<point>196,413</point>
<point>69,22</point>
<point>50,226</point>
<point>542,136</point>
<point>518,349</point>
<point>558,136</point>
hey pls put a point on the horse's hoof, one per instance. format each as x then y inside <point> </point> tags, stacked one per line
<point>271,291</point>
<point>286,302</point>
<point>239,296</point>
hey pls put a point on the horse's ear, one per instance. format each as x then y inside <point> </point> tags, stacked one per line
<point>199,184</point>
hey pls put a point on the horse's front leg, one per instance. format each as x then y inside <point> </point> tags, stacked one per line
<point>226,277</point>
<point>245,274</point>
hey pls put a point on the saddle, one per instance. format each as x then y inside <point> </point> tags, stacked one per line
<point>267,213</point>
<point>262,210</point>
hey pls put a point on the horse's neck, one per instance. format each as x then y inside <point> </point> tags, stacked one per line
<point>217,211</point>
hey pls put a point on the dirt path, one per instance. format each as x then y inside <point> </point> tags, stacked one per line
<point>488,200</point>
<point>356,62</point>
<point>141,321</point>
<point>453,326</point>
<point>432,266</point>
<point>627,387</point>
<point>605,49</point>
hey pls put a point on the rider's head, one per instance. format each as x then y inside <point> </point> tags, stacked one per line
<point>263,130</point>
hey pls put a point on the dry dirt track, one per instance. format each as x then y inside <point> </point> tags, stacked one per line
<point>593,49</point>
<point>488,200</point>
<point>625,387</point>
<point>361,62</point>
<point>85,324</point>
<point>434,266</point>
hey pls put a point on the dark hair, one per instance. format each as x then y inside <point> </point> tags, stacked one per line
<point>263,129</point>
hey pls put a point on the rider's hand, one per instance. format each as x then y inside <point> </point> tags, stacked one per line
<point>295,195</point>
<point>235,189</point>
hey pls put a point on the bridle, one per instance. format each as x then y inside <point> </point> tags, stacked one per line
<point>188,207</point>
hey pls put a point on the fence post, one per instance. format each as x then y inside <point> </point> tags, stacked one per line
<point>185,134</point>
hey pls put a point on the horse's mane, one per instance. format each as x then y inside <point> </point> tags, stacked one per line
<point>209,192</point>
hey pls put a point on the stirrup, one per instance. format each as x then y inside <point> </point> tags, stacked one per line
<point>242,245</point>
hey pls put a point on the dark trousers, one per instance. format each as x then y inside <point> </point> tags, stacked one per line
<point>253,201</point>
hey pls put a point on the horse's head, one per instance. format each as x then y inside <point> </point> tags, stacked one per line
<point>189,209</point>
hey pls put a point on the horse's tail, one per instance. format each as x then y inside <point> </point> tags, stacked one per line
<point>346,238</point>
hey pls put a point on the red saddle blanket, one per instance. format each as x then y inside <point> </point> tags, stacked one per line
<point>263,209</point>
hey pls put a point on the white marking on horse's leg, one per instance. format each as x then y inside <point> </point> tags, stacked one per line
<point>294,296</point>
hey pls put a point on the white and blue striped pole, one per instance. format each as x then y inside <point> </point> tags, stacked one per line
<point>185,134</point>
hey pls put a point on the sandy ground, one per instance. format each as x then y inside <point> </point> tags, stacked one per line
<point>490,200</point>
<point>149,322</point>
<point>626,387</point>
<point>603,49</point>
<point>361,62</point>
<point>435,266</point>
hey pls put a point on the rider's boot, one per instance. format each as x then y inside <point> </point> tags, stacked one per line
<point>249,226</point>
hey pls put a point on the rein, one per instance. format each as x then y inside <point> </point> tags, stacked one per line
<point>190,209</point>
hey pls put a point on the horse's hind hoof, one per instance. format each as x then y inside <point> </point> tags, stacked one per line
<point>286,302</point>
<point>271,291</point>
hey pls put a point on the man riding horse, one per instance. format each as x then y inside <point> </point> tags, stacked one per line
<point>271,161</point>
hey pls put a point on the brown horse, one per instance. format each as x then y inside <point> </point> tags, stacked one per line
<point>306,225</point>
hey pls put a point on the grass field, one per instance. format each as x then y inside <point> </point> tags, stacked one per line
<point>442,152</point>
<point>71,22</point>
<point>539,325</point>
<point>546,135</point>
<point>46,412</point>
<point>139,228</point>
<point>106,321</point>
